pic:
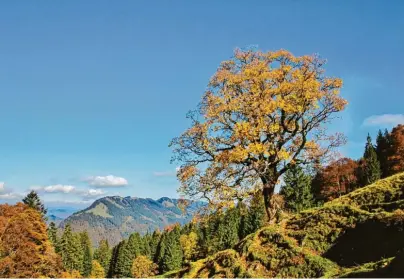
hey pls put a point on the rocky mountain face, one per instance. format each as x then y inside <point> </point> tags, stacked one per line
<point>114,218</point>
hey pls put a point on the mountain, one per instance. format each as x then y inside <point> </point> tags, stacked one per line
<point>114,218</point>
<point>58,214</point>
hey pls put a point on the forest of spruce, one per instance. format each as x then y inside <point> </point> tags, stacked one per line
<point>343,219</point>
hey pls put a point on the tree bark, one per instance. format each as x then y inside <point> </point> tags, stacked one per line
<point>270,208</point>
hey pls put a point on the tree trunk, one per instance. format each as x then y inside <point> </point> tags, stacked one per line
<point>270,207</point>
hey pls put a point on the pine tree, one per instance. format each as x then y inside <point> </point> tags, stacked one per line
<point>52,234</point>
<point>161,249</point>
<point>371,167</point>
<point>97,271</point>
<point>154,243</point>
<point>112,270</point>
<point>70,249</point>
<point>85,244</point>
<point>382,151</point>
<point>129,251</point>
<point>33,201</point>
<point>297,190</point>
<point>172,258</point>
<point>228,228</point>
<point>253,217</point>
<point>103,254</point>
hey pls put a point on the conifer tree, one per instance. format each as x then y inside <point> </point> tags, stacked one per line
<point>371,167</point>
<point>70,249</point>
<point>154,243</point>
<point>85,244</point>
<point>383,152</point>
<point>52,234</point>
<point>33,201</point>
<point>297,190</point>
<point>253,217</point>
<point>103,255</point>
<point>112,270</point>
<point>172,258</point>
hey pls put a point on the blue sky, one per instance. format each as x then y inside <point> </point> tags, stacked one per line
<point>91,92</point>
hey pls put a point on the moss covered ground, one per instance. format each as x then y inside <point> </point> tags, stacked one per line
<point>357,235</point>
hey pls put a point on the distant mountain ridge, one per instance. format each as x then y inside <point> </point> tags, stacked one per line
<point>114,217</point>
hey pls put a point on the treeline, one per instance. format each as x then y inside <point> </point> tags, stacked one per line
<point>307,188</point>
<point>160,251</point>
<point>381,160</point>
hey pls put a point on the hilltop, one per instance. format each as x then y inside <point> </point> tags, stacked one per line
<point>114,218</point>
<point>357,235</point>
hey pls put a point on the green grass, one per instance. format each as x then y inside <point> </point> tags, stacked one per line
<point>357,235</point>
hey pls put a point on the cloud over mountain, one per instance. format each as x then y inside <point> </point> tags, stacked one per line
<point>106,181</point>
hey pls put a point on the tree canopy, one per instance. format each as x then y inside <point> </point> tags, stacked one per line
<point>262,113</point>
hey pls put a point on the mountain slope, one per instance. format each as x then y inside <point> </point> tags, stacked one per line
<point>358,235</point>
<point>114,218</point>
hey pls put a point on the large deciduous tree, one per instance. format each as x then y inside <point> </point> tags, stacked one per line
<point>261,114</point>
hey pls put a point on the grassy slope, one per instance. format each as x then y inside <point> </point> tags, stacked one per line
<point>358,235</point>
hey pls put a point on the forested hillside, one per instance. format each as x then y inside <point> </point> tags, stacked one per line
<point>115,218</point>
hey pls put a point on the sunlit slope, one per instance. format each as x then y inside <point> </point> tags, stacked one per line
<point>357,235</point>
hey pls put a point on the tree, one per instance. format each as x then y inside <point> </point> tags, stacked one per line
<point>70,249</point>
<point>97,271</point>
<point>189,245</point>
<point>143,267</point>
<point>383,151</point>
<point>172,258</point>
<point>52,234</point>
<point>261,114</point>
<point>112,270</point>
<point>254,217</point>
<point>371,167</point>
<point>33,201</point>
<point>103,254</point>
<point>25,250</point>
<point>85,244</point>
<point>297,190</point>
<point>396,156</point>
<point>336,179</point>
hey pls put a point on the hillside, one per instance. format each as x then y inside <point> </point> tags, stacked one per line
<point>360,234</point>
<point>115,218</point>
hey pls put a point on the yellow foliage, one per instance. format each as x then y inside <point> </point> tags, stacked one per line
<point>97,271</point>
<point>262,113</point>
<point>189,244</point>
<point>143,267</point>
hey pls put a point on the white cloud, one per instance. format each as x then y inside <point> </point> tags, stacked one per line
<point>10,196</point>
<point>106,181</point>
<point>384,119</point>
<point>93,193</point>
<point>2,186</point>
<point>58,188</point>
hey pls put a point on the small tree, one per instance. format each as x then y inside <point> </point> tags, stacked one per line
<point>371,166</point>
<point>189,244</point>
<point>297,190</point>
<point>52,234</point>
<point>97,271</point>
<point>85,244</point>
<point>261,114</point>
<point>143,267</point>
<point>103,254</point>
<point>33,201</point>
